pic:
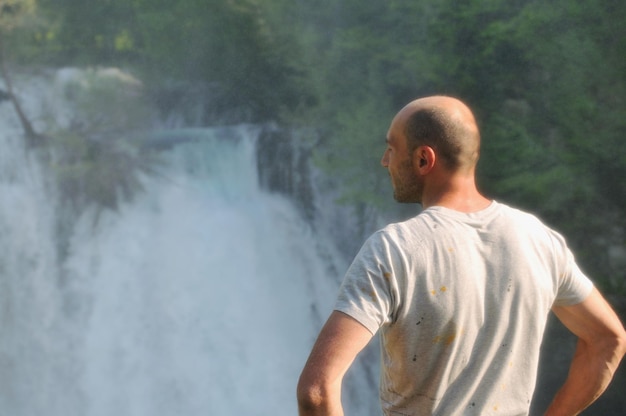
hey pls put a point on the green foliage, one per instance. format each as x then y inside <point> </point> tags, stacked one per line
<point>94,173</point>
<point>80,31</point>
<point>213,42</point>
<point>14,12</point>
<point>95,159</point>
<point>362,132</point>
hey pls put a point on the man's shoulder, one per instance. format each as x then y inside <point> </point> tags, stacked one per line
<point>405,227</point>
<point>396,235</point>
<point>521,217</point>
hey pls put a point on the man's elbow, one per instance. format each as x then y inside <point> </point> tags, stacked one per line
<point>621,343</point>
<point>310,395</point>
<point>313,396</point>
<point>613,346</point>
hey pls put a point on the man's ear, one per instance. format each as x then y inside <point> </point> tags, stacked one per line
<point>424,159</point>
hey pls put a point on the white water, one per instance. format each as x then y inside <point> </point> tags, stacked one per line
<point>202,296</point>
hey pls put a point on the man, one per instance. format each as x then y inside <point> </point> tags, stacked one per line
<point>460,293</point>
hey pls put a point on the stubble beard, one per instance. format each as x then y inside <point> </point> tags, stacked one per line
<point>407,186</point>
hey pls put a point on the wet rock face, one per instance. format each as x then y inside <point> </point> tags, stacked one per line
<point>284,168</point>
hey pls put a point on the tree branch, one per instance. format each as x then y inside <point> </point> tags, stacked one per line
<point>32,137</point>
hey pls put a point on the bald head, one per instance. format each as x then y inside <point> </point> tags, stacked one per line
<point>445,124</point>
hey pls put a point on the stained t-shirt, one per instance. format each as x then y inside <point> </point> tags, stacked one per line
<point>460,302</point>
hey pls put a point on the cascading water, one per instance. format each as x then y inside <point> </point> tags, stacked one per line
<point>201,296</point>
<point>201,293</point>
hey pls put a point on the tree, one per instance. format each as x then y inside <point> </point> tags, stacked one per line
<point>13,13</point>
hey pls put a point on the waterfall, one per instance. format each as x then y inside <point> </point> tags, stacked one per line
<point>200,296</point>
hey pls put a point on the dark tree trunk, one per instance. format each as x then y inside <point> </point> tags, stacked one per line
<point>32,138</point>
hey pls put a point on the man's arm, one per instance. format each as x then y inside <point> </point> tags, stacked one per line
<point>601,346</point>
<point>339,342</point>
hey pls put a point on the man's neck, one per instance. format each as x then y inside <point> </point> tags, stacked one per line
<point>459,194</point>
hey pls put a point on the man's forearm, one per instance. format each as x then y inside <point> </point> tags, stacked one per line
<point>319,387</point>
<point>590,373</point>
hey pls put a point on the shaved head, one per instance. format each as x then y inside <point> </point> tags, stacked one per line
<point>445,124</point>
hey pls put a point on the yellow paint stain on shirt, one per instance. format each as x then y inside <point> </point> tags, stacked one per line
<point>366,290</point>
<point>387,275</point>
<point>450,249</point>
<point>495,408</point>
<point>450,339</point>
<point>446,339</point>
<point>441,289</point>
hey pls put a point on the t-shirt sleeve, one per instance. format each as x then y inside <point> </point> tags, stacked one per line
<point>368,291</point>
<point>573,285</point>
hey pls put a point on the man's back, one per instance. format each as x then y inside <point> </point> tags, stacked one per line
<point>461,302</point>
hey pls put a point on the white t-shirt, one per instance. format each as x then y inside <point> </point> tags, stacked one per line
<point>461,302</point>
